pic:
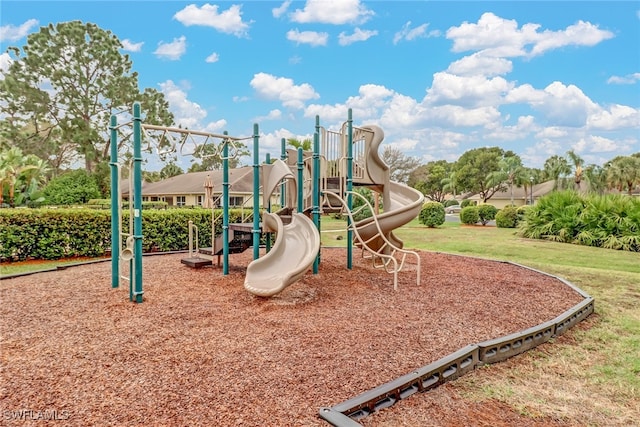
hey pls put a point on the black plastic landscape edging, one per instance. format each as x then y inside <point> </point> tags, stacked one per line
<point>347,413</point>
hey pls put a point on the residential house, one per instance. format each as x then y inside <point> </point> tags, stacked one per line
<point>189,189</point>
<point>521,197</point>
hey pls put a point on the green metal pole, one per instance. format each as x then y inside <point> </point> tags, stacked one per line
<point>283,187</point>
<point>320,189</point>
<point>256,192</point>
<point>300,181</point>
<point>137,201</point>
<point>349,187</point>
<point>316,192</point>
<point>268,207</point>
<point>115,211</point>
<point>225,206</point>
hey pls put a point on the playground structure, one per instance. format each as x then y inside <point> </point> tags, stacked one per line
<point>309,184</point>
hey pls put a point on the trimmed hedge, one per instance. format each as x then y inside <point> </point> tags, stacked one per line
<point>63,233</point>
<point>432,214</point>
<point>469,215</point>
<point>507,217</point>
<point>487,213</point>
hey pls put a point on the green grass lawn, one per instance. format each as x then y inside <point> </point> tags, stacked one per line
<point>590,375</point>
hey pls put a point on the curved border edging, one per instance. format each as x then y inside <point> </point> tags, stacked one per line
<point>466,359</point>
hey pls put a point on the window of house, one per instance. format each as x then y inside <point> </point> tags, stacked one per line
<point>199,200</point>
<point>236,201</point>
<point>181,200</point>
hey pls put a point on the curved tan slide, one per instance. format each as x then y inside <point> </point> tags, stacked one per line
<point>406,203</point>
<point>296,247</point>
<point>402,203</point>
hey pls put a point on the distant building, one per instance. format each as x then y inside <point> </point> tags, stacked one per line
<point>189,190</point>
<point>502,199</point>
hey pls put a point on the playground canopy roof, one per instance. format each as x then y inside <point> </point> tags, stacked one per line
<point>241,180</point>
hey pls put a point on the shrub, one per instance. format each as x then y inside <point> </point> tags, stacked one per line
<point>554,217</point>
<point>469,215</point>
<point>451,202</point>
<point>507,217</point>
<point>487,213</point>
<point>467,202</point>
<point>63,233</point>
<point>611,221</point>
<point>432,214</point>
<point>71,188</point>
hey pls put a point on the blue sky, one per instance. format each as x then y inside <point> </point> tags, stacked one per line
<point>538,78</point>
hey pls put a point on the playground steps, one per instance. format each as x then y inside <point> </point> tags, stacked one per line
<point>196,262</point>
<point>240,239</point>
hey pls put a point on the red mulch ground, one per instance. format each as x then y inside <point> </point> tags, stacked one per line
<point>202,351</point>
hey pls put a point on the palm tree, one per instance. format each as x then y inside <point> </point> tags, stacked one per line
<point>556,168</point>
<point>576,164</point>
<point>450,183</point>
<point>305,144</point>
<point>13,164</point>
<point>623,172</point>
<point>511,169</point>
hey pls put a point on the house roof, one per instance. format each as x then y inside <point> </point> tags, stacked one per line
<point>240,179</point>
<point>519,193</point>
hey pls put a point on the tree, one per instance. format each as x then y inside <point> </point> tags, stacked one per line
<point>450,182</point>
<point>474,170</point>
<point>596,177</point>
<point>576,165</point>
<point>18,173</point>
<point>169,170</point>
<point>556,168</point>
<point>71,188</point>
<point>210,158</point>
<point>306,144</point>
<point>623,173</point>
<point>510,171</point>
<point>87,80</point>
<point>428,179</point>
<point>400,165</point>
<point>31,140</point>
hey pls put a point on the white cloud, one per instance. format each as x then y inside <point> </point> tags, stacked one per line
<point>599,144</point>
<point>525,126</point>
<point>479,64</point>
<point>357,36</point>
<point>579,34</point>
<point>408,33</point>
<point>187,113</point>
<point>312,38</point>
<point>283,89</point>
<point>214,57</point>
<point>332,12</point>
<point>629,79</point>
<point>565,105</point>
<point>272,115</point>
<point>471,91</point>
<point>559,104</point>
<point>616,117</point>
<point>502,37</point>
<point>551,132</point>
<point>172,51</point>
<point>295,59</point>
<point>130,46</point>
<point>277,12</point>
<point>11,33</point>
<point>240,98</point>
<point>228,21</point>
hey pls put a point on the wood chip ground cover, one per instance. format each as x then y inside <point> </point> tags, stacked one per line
<point>201,350</point>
